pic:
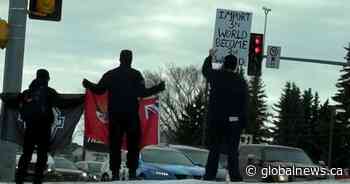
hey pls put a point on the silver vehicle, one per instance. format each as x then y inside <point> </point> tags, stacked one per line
<point>199,157</point>
<point>262,156</point>
<point>92,168</point>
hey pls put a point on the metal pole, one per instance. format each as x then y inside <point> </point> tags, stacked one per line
<point>318,61</point>
<point>266,11</point>
<point>330,144</point>
<point>17,19</point>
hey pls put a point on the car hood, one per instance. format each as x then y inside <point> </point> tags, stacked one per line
<point>73,171</point>
<point>176,169</point>
<point>291,164</point>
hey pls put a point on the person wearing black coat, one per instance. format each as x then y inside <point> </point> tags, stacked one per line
<point>38,128</point>
<point>125,86</point>
<point>227,114</point>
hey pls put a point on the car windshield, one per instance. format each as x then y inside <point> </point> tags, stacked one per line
<point>287,155</point>
<point>171,157</point>
<point>200,157</point>
<point>64,164</point>
<point>94,167</point>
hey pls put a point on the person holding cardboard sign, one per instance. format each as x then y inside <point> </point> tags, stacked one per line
<point>227,114</point>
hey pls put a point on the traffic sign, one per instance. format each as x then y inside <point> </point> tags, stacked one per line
<point>273,57</point>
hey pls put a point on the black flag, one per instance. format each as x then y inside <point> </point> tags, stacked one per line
<point>66,119</point>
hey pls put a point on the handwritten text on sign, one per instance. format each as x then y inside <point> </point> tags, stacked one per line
<point>232,34</point>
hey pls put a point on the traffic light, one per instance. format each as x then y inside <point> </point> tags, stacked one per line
<point>256,53</point>
<point>45,9</point>
<point>4,33</point>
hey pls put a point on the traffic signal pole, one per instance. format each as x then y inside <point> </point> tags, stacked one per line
<point>12,82</point>
<point>317,61</point>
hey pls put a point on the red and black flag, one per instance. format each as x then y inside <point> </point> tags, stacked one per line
<point>96,120</point>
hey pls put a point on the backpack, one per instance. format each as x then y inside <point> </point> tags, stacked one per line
<point>35,103</point>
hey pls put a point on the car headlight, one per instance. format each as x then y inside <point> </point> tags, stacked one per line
<point>160,173</point>
<point>94,177</point>
<point>282,178</point>
<point>49,170</point>
<point>84,174</point>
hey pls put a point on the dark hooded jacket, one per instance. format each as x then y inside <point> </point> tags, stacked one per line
<point>124,85</point>
<point>228,94</point>
<point>52,98</point>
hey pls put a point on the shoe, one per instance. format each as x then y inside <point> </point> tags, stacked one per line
<point>37,182</point>
<point>132,175</point>
<point>208,178</point>
<point>236,179</point>
<point>115,177</point>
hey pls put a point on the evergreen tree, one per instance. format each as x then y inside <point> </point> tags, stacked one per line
<point>342,127</point>
<point>322,133</point>
<point>257,111</point>
<point>290,117</point>
<point>190,130</point>
<point>306,137</point>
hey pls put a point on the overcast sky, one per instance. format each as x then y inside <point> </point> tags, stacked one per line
<point>87,42</point>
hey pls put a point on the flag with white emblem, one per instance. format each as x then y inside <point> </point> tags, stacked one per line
<point>96,121</point>
<point>65,120</point>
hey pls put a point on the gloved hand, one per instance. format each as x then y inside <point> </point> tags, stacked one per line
<point>161,86</point>
<point>86,83</point>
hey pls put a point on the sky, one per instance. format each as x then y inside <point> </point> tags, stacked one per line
<point>87,42</point>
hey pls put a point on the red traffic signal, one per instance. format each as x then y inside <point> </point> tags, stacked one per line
<point>45,9</point>
<point>255,54</point>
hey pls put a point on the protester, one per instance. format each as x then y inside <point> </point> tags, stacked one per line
<point>124,85</point>
<point>36,111</point>
<point>226,114</point>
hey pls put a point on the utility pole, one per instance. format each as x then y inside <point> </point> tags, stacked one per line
<point>266,11</point>
<point>12,83</point>
<point>330,140</point>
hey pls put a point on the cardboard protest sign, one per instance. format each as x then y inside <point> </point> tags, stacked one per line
<point>232,34</point>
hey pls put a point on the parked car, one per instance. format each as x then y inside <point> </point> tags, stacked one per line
<point>31,167</point>
<point>261,156</point>
<point>92,168</point>
<point>199,158</point>
<point>65,170</point>
<point>161,163</point>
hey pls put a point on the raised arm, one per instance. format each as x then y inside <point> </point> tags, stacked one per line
<point>99,88</point>
<point>11,99</point>
<point>145,92</point>
<point>65,100</point>
<point>207,68</point>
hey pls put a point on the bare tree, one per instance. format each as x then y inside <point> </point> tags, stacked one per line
<point>183,85</point>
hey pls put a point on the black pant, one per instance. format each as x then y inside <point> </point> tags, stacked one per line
<point>119,124</point>
<point>228,135</point>
<point>34,136</point>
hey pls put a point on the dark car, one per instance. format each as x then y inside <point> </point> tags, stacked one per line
<point>199,157</point>
<point>264,156</point>
<point>31,167</point>
<point>65,170</point>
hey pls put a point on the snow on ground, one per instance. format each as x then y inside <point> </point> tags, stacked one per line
<point>191,182</point>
